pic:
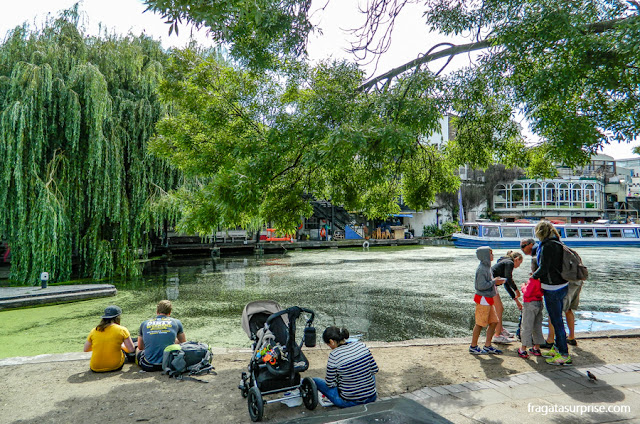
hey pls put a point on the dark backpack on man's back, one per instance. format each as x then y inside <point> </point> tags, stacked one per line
<point>193,358</point>
<point>572,267</point>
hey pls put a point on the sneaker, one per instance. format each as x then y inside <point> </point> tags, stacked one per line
<point>560,360</point>
<point>323,400</point>
<point>491,350</point>
<point>476,350</point>
<point>572,342</point>
<point>552,353</point>
<point>523,353</point>
<point>506,333</point>
<point>535,352</point>
<point>502,339</point>
<point>546,345</point>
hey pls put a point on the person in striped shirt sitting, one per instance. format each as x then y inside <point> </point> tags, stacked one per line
<point>350,376</point>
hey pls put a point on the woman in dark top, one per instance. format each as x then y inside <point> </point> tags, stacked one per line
<point>550,258</point>
<point>504,268</point>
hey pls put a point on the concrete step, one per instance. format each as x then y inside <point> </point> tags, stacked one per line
<point>16,297</point>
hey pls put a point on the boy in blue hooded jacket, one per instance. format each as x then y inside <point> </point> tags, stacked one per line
<point>485,311</point>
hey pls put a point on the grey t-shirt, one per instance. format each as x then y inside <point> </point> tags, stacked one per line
<point>158,333</point>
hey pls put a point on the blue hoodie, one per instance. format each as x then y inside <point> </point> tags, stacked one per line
<point>484,281</point>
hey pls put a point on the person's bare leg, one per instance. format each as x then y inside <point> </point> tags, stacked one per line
<point>476,334</point>
<point>490,330</point>
<point>497,302</point>
<point>551,337</point>
<point>571,323</point>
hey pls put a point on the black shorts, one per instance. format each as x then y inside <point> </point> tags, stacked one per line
<point>145,365</point>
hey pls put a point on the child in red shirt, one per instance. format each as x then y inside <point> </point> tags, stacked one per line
<point>531,332</point>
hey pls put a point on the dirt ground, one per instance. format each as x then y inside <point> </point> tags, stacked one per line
<point>67,392</point>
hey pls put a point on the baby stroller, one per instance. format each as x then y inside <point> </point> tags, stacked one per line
<point>276,361</point>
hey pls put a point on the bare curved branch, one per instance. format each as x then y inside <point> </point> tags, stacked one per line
<point>452,51</point>
<point>593,28</point>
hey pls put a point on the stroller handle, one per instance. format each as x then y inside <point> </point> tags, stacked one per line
<point>294,312</point>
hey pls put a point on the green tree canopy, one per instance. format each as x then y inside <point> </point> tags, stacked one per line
<point>75,116</point>
<point>262,145</point>
<point>571,67</point>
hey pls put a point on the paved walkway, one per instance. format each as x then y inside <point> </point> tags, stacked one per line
<point>15,297</point>
<point>563,395</point>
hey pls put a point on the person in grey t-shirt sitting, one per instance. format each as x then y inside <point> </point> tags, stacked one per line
<point>157,333</point>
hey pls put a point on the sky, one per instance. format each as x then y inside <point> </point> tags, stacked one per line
<point>410,38</point>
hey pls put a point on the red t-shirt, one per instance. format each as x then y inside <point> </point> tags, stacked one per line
<point>478,299</point>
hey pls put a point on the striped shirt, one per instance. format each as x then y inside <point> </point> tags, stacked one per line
<point>351,367</point>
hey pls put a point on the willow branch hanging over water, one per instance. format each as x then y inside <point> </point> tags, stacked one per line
<point>75,176</point>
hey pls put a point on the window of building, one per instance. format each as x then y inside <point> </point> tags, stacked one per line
<point>500,197</point>
<point>517,196</point>
<point>535,195</point>
<point>576,196</point>
<point>571,232</point>
<point>550,196</point>
<point>589,197</point>
<point>564,195</point>
<point>586,232</point>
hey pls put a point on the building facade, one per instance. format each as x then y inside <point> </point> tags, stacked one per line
<point>574,199</point>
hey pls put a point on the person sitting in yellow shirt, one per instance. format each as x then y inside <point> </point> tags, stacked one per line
<point>108,341</point>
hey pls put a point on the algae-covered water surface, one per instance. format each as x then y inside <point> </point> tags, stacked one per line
<point>386,294</point>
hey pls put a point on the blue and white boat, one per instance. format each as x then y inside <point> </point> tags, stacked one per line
<point>507,235</point>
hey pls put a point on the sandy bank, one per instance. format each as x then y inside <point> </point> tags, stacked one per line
<point>60,388</point>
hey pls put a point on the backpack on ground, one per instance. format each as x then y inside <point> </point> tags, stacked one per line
<point>572,267</point>
<point>192,358</point>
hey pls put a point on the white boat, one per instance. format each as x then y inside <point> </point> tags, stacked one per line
<point>507,235</point>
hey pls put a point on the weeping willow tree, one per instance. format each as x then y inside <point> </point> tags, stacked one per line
<point>76,180</point>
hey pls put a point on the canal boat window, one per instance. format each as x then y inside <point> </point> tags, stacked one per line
<point>629,233</point>
<point>509,232</point>
<point>586,232</point>
<point>525,232</point>
<point>615,232</point>
<point>491,232</point>
<point>571,232</point>
<point>601,232</point>
<point>472,230</point>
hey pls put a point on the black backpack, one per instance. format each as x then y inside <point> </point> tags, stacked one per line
<point>193,358</point>
<point>572,267</point>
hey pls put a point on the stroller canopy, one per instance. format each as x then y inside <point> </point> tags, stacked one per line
<point>259,307</point>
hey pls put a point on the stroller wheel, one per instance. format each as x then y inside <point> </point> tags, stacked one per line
<point>255,404</point>
<point>309,392</point>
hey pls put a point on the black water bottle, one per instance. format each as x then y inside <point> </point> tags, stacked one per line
<point>310,336</point>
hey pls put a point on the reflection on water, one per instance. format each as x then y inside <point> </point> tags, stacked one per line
<point>386,293</point>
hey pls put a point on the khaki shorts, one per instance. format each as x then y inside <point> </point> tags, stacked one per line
<point>572,299</point>
<point>485,315</point>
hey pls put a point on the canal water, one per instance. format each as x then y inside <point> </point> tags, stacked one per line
<point>385,294</point>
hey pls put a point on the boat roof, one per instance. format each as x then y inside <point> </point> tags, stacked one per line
<point>563,224</point>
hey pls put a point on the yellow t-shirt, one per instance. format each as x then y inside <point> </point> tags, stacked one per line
<point>106,346</point>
